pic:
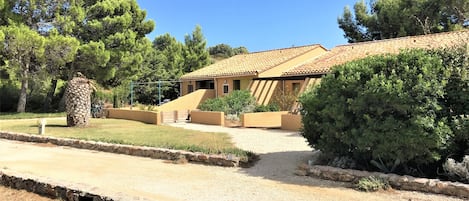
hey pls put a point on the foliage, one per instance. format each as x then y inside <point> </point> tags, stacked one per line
<point>391,18</point>
<point>225,51</point>
<point>284,100</point>
<point>104,40</point>
<point>459,142</point>
<point>235,103</point>
<point>22,46</point>
<point>372,183</point>
<point>457,60</point>
<point>214,104</point>
<point>240,101</point>
<point>272,107</point>
<point>195,53</point>
<point>382,108</point>
<point>458,171</point>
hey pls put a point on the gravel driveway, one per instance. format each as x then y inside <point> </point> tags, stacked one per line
<point>135,178</point>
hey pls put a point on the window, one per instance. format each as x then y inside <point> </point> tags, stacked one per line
<point>190,88</point>
<point>236,85</point>
<point>296,87</point>
<point>225,88</point>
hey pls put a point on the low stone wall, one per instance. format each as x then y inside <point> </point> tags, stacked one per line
<point>291,122</point>
<point>210,118</point>
<point>150,152</point>
<point>55,191</point>
<point>396,181</point>
<point>137,115</point>
<point>262,119</point>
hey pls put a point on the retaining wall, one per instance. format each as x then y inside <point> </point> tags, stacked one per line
<point>51,190</point>
<point>150,152</point>
<point>210,118</point>
<point>396,181</point>
<point>262,119</point>
<point>136,115</point>
<point>291,122</point>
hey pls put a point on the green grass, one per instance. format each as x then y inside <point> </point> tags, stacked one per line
<point>133,133</point>
<point>28,115</point>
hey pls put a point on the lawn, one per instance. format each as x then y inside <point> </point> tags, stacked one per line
<point>28,115</point>
<point>132,132</point>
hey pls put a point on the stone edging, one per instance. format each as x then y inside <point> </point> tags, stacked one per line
<point>150,152</point>
<point>55,191</point>
<point>396,181</point>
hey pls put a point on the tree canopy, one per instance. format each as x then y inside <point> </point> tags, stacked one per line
<point>396,18</point>
<point>44,43</point>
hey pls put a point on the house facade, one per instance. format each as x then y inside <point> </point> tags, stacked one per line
<point>258,72</point>
<point>290,71</point>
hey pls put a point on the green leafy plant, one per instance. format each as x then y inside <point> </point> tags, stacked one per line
<point>272,107</point>
<point>372,183</point>
<point>215,104</point>
<point>235,103</point>
<point>383,108</point>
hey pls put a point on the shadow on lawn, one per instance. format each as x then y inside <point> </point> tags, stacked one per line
<point>52,126</point>
<point>281,166</point>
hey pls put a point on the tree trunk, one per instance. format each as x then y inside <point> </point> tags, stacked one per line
<point>50,95</point>
<point>24,88</point>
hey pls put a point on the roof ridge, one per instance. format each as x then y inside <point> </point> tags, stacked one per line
<point>400,38</point>
<point>285,48</point>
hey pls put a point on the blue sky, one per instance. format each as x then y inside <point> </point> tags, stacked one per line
<point>256,24</point>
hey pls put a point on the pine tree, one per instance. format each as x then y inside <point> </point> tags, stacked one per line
<point>195,54</point>
<point>23,47</point>
<point>397,18</point>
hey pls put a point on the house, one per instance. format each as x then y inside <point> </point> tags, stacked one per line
<point>310,72</point>
<point>258,72</point>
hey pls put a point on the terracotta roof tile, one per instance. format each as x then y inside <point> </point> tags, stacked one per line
<point>345,53</point>
<point>248,64</point>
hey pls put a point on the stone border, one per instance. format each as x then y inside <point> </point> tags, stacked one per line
<point>396,181</point>
<point>142,151</point>
<point>54,191</point>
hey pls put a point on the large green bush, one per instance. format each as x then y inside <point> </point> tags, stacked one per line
<point>381,110</point>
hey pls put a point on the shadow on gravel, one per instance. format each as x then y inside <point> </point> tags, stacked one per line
<point>281,166</point>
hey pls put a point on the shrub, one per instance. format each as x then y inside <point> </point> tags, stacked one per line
<point>457,171</point>
<point>235,103</point>
<point>267,108</point>
<point>459,142</point>
<point>215,104</point>
<point>371,183</point>
<point>381,108</point>
<point>457,90</point>
<point>240,101</point>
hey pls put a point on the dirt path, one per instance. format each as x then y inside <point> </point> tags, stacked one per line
<point>135,178</point>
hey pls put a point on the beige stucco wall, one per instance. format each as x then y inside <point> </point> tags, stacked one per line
<point>210,118</point>
<point>188,102</point>
<point>136,115</point>
<point>288,86</point>
<point>219,82</point>
<point>262,119</point>
<point>291,122</point>
<point>244,84</point>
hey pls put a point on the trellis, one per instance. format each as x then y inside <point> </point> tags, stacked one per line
<point>159,82</point>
